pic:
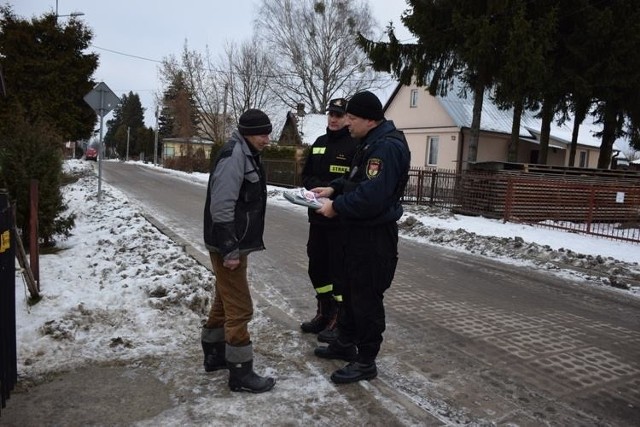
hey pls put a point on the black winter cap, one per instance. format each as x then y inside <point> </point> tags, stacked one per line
<point>366,105</point>
<point>254,122</point>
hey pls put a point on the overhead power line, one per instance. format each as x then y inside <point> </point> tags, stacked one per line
<point>126,54</point>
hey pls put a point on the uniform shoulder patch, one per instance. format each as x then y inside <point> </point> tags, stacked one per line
<point>374,166</point>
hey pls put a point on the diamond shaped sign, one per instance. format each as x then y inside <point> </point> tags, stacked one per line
<point>101,99</point>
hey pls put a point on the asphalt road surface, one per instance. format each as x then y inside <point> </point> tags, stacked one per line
<point>468,338</point>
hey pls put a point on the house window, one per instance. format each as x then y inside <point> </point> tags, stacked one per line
<point>413,103</point>
<point>169,151</point>
<point>584,159</point>
<point>432,150</point>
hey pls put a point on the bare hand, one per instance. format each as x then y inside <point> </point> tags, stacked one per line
<point>323,191</point>
<point>327,209</point>
<point>231,264</point>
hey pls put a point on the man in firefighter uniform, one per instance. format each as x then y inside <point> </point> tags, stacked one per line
<point>329,158</point>
<point>368,203</point>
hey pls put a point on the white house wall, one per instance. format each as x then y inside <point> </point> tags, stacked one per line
<point>431,117</point>
<point>427,118</point>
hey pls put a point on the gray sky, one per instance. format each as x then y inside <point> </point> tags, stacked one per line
<point>132,36</point>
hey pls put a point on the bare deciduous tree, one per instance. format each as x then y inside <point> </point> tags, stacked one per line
<point>223,88</point>
<point>205,85</point>
<point>244,78</point>
<point>314,48</point>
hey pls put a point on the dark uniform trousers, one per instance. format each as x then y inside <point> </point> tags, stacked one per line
<point>232,307</point>
<point>371,257</point>
<point>324,249</point>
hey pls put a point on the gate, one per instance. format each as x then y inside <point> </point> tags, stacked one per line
<point>8,360</point>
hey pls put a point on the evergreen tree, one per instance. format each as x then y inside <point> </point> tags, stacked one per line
<point>459,40</point>
<point>127,118</point>
<point>32,150</point>
<point>46,76</point>
<point>518,78</point>
<point>47,73</point>
<point>613,45</point>
<point>179,115</point>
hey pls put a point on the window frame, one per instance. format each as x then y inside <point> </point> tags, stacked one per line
<point>583,158</point>
<point>413,98</point>
<point>432,140</point>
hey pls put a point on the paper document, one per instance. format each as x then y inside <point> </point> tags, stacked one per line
<point>301,196</point>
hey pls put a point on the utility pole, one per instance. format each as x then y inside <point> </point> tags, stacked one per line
<point>126,158</point>
<point>224,113</point>
<point>155,142</point>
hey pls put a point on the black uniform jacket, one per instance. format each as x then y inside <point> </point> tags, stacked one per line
<point>370,195</point>
<point>329,158</point>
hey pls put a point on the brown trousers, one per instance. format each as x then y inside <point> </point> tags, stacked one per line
<point>232,307</point>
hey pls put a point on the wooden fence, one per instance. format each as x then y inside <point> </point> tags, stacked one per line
<point>599,202</point>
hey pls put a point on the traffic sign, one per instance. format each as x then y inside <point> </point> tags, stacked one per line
<point>101,99</point>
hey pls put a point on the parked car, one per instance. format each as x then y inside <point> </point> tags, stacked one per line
<point>91,153</point>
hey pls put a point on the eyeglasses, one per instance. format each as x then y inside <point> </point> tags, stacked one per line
<point>334,114</point>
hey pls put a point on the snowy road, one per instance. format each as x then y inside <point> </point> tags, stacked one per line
<point>468,339</point>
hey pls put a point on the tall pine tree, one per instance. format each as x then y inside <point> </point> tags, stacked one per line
<point>178,116</point>
<point>127,121</point>
<point>46,75</point>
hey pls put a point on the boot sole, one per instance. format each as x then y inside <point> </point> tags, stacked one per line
<point>215,368</point>
<point>336,357</point>
<point>311,331</point>
<point>251,390</point>
<point>364,377</point>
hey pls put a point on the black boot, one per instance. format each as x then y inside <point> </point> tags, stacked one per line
<point>241,375</point>
<point>355,371</point>
<point>330,333</point>
<point>214,359</point>
<point>214,348</point>
<point>323,315</point>
<point>337,350</point>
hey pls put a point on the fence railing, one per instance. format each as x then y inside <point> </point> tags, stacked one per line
<point>434,187</point>
<point>283,173</point>
<point>598,206</point>
<point>607,206</point>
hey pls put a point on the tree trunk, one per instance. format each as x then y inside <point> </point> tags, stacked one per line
<point>474,133</point>
<point>515,132</point>
<point>580,114</point>
<point>545,131</point>
<point>608,136</point>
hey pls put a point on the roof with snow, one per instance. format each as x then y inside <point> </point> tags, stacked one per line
<point>311,126</point>
<point>494,119</point>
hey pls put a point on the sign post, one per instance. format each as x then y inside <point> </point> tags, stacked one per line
<point>102,100</point>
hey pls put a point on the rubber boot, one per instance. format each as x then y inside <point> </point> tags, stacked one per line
<point>214,356</point>
<point>337,350</point>
<point>354,372</point>
<point>241,374</point>
<point>330,333</point>
<point>213,347</point>
<point>323,315</point>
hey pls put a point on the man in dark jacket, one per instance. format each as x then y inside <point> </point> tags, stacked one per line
<point>329,158</point>
<point>368,202</point>
<point>233,227</point>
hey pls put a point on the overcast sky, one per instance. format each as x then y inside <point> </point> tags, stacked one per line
<point>133,36</point>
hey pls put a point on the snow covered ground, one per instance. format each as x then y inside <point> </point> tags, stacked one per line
<point>120,284</point>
